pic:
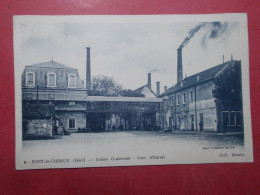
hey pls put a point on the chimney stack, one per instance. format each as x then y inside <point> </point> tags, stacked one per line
<point>179,65</point>
<point>149,80</point>
<point>165,88</point>
<point>88,74</point>
<point>157,88</point>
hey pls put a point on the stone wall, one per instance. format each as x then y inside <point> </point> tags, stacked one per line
<point>39,127</point>
<point>64,116</point>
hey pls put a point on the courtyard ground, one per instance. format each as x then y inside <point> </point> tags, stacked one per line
<point>111,142</point>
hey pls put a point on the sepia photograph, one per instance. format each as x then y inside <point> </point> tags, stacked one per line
<point>96,91</point>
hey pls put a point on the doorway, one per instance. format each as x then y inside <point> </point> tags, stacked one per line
<point>192,122</point>
<point>201,123</point>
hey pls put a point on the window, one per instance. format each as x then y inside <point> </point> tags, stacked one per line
<point>198,77</point>
<point>72,81</point>
<point>239,118</point>
<point>178,99</point>
<point>51,80</point>
<point>191,96</point>
<point>30,79</point>
<point>232,119</point>
<point>72,123</point>
<point>184,98</point>
<point>225,116</point>
<point>172,100</point>
<point>71,103</point>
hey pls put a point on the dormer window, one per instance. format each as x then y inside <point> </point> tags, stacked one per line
<point>51,80</point>
<point>30,79</point>
<point>181,83</point>
<point>198,77</point>
<point>72,81</point>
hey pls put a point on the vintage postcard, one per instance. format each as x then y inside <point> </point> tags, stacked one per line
<point>95,91</point>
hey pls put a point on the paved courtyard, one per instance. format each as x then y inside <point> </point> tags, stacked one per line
<point>132,141</point>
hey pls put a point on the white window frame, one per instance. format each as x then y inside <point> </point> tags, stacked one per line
<point>184,101</point>
<point>192,99</point>
<point>75,84</point>
<point>74,123</point>
<point>26,79</point>
<point>48,82</point>
<point>178,99</point>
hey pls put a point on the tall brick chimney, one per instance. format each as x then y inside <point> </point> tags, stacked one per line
<point>149,82</point>
<point>157,88</point>
<point>179,65</point>
<point>88,73</point>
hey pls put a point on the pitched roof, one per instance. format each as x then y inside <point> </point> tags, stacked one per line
<point>50,64</point>
<point>203,76</point>
<point>140,89</point>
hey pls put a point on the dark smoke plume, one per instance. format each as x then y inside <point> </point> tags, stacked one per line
<point>218,29</point>
<point>214,30</point>
<point>191,34</point>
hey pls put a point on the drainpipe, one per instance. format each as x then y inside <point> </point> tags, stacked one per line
<point>175,120</point>
<point>196,106</point>
<point>37,97</point>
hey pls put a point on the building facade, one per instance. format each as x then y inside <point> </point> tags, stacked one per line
<point>52,93</point>
<point>190,105</point>
<point>55,101</point>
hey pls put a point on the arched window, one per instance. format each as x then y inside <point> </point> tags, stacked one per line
<point>72,81</point>
<point>30,79</point>
<point>51,80</point>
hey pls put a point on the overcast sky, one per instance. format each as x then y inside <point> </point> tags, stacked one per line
<point>128,51</point>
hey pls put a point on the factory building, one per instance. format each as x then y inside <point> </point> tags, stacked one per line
<point>55,101</point>
<point>190,105</point>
